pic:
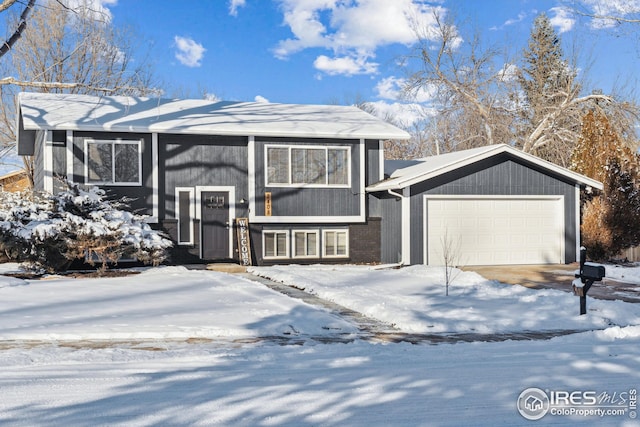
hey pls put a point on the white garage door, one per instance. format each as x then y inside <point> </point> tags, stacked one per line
<point>494,231</point>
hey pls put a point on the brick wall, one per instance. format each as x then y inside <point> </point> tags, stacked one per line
<point>364,241</point>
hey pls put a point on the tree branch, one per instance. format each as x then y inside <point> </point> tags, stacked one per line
<point>60,85</point>
<point>21,26</point>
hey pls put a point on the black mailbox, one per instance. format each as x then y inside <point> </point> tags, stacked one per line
<point>585,277</point>
<point>593,272</point>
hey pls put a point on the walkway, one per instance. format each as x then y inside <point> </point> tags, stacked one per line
<point>376,331</point>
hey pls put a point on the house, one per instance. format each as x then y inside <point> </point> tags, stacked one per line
<point>295,174</point>
<point>15,181</point>
<point>278,183</point>
<point>492,205</point>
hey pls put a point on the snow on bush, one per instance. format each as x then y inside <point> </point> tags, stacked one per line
<point>51,231</point>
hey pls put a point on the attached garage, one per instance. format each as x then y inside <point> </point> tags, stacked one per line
<point>495,205</point>
<point>495,230</point>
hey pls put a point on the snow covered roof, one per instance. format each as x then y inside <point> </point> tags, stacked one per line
<point>430,167</point>
<point>197,116</point>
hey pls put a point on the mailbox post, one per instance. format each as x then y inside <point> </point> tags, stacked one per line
<point>587,275</point>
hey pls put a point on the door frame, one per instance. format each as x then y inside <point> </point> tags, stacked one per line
<point>232,210</point>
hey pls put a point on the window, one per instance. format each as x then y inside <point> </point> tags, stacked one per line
<point>335,243</point>
<point>308,166</point>
<point>305,244</point>
<point>185,210</point>
<point>113,162</point>
<point>275,244</point>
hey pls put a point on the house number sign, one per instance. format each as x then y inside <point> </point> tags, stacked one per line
<point>267,203</point>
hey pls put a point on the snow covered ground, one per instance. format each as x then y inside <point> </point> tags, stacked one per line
<point>167,381</point>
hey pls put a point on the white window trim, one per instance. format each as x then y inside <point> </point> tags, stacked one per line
<point>324,242</point>
<point>287,245</point>
<point>137,142</point>
<point>326,148</point>
<point>293,243</point>
<point>192,213</point>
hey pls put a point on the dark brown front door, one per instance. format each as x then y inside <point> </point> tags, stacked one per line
<point>215,225</point>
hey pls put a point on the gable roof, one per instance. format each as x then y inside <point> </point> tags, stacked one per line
<point>195,116</point>
<point>430,167</point>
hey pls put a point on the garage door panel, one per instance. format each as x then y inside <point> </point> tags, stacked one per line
<point>497,230</point>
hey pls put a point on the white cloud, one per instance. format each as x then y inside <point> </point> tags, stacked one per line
<point>261,99</point>
<point>189,52</point>
<point>393,88</point>
<point>511,21</point>
<point>97,9</point>
<point>234,5</point>
<point>344,65</point>
<point>404,115</point>
<point>613,8</point>
<point>562,19</point>
<point>353,31</point>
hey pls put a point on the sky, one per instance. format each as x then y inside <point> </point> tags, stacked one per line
<point>349,51</point>
<point>344,51</point>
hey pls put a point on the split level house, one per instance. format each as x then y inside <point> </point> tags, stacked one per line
<point>307,183</point>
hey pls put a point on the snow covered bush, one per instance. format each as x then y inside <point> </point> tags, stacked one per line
<point>51,231</point>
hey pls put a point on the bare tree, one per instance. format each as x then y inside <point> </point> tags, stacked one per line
<point>72,51</point>
<point>471,100</point>
<point>482,97</point>
<point>450,254</point>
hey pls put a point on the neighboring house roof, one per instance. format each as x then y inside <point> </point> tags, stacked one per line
<point>14,181</point>
<point>192,116</point>
<point>434,166</point>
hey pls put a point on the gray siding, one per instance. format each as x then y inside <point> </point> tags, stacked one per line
<point>501,175</point>
<point>59,153</point>
<point>139,196</point>
<point>300,201</point>
<point>391,230</point>
<point>38,161</point>
<point>373,175</point>
<point>191,160</point>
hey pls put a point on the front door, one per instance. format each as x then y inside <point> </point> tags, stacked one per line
<point>215,225</point>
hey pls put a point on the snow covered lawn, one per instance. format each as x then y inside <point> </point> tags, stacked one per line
<point>413,299</point>
<point>159,303</point>
<point>222,382</point>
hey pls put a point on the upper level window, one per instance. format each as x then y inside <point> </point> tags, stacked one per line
<point>308,166</point>
<point>113,162</point>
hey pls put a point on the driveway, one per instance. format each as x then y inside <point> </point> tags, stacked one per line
<point>556,276</point>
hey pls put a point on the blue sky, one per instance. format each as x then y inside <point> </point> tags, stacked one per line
<point>343,51</point>
<point>327,51</point>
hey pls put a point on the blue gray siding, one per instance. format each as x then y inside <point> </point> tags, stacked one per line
<point>301,201</point>
<point>391,241</point>
<point>139,196</point>
<point>193,160</point>
<point>38,161</point>
<point>499,175</point>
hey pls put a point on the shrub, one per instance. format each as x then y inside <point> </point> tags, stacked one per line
<point>51,231</point>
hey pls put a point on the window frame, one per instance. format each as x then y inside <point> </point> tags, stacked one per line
<point>264,246</point>
<point>113,143</point>
<point>306,232</point>
<point>192,214</point>
<point>290,168</point>
<point>345,231</point>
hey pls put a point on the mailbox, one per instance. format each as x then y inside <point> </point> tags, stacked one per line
<point>593,272</point>
<point>585,277</point>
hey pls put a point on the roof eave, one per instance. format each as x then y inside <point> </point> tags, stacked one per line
<point>400,183</point>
